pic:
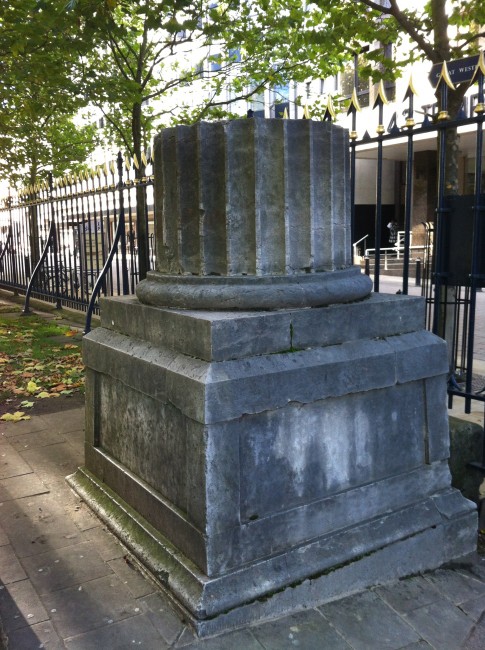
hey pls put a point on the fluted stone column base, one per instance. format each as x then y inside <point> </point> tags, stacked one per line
<point>261,462</point>
<point>254,292</point>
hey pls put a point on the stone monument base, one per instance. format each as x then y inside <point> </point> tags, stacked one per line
<point>260,462</point>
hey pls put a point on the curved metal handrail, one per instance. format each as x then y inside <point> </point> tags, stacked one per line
<point>7,244</point>
<point>101,277</point>
<point>50,242</point>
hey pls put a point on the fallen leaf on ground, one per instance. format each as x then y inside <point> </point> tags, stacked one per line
<point>32,387</point>
<point>15,417</point>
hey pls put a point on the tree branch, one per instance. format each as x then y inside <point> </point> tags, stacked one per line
<point>405,22</point>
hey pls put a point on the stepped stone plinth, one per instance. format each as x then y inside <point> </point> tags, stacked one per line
<point>262,432</point>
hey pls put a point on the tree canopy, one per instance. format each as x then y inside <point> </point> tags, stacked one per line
<point>299,42</point>
<point>39,94</point>
<point>122,56</point>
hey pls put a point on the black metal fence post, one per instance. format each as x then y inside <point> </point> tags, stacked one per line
<point>55,246</point>
<point>439,315</point>
<point>410,123</point>
<point>380,101</point>
<point>417,280</point>
<point>476,280</point>
<point>121,218</point>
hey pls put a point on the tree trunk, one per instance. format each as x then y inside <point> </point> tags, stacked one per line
<point>446,322</point>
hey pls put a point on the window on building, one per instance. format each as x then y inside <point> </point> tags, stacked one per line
<point>215,62</point>
<point>349,79</point>
<point>365,88</point>
<point>256,105</point>
<point>473,101</point>
<point>235,55</point>
<point>280,100</point>
<point>389,85</point>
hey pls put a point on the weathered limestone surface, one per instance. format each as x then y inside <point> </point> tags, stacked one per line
<point>252,214</point>
<point>255,473</point>
<point>261,432</point>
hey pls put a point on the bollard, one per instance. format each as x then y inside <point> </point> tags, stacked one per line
<point>367,266</point>
<point>418,273</point>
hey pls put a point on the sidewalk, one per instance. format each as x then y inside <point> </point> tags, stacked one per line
<point>67,583</point>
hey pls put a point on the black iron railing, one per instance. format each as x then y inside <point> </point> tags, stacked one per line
<point>70,240</point>
<point>452,262</point>
<point>92,249</point>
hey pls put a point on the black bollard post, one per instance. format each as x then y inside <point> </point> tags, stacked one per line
<point>418,273</point>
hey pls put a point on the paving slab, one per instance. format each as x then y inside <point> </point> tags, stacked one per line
<point>441,624</point>
<point>383,628</point>
<point>135,632</point>
<point>20,605</point>
<point>187,638</point>
<point>13,429</point>
<point>131,577</point>
<point>474,608</point>
<point>92,605</point>
<point>37,524</point>
<point>107,546</point>
<point>10,568</point>
<point>409,594</point>
<point>163,618</point>
<point>17,487</point>
<point>70,420</point>
<point>42,635</point>
<point>40,438</point>
<point>11,463</point>
<point>81,514</point>
<point>476,568</point>
<point>76,441</point>
<point>58,459</point>
<point>241,639</point>
<point>458,587</point>
<point>3,535</point>
<point>306,630</point>
<point>64,567</point>
<point>476,638</point>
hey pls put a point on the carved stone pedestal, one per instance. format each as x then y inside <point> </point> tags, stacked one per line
<point>291,446</point>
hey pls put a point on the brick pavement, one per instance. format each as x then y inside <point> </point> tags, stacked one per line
<point>66,582</point>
